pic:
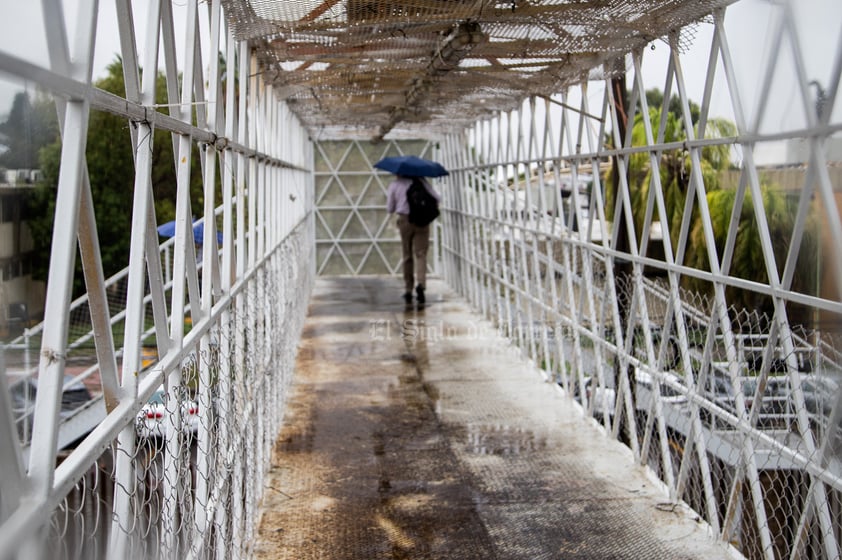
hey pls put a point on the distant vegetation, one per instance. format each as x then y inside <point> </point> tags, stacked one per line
<point>674,167</point>
<point>33,140</point>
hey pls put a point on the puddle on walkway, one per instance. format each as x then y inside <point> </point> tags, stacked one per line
<point>363,466</point>
<point>368,467</point>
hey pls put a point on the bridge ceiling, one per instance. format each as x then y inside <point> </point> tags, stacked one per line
<point>365,69</point>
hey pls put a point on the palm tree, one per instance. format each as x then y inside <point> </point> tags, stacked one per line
<point>748,261</point>
<point>674,168</point>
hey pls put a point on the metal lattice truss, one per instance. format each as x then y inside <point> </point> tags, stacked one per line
<point>181,479</point>
<point>354,233</point>
<point>418,68</point>
<point>716,397</point>
<point>298,71</point>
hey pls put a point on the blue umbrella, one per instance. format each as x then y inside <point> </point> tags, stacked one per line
<point>411,166</point>
<point>168,230</point>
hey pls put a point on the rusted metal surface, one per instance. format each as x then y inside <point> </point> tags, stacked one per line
<point>419,68</point>
<point>420,433</point>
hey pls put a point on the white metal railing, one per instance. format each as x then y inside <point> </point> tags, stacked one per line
<point>566,273</point>
<point>80,348</point>
<point>173,466</point>
<point>640,307</point>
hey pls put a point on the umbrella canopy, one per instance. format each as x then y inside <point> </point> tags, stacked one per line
<point>411,166</point>
<point>168,230</point>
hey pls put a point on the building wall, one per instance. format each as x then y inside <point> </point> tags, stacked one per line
<point>786,178</point>
<point>21,297</point>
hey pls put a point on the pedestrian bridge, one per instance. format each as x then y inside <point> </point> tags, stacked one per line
<point>631,346</point>
<point>423,433</point>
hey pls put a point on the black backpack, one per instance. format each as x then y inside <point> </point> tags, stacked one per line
<point>423,207</point>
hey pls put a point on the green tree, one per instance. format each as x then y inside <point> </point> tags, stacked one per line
<point>111,170</point>
<point>655,99</point>
<point>674,168</point>
<point>748,261</point>
<point>29,126</point>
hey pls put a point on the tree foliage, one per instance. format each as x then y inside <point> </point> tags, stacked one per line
<point>110,163</point>
<point>29,126</point>
<point>748,261</point>
<point>674,168</point>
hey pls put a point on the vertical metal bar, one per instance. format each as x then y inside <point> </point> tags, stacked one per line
<point>558,240</point>
<point>529,239</point>
<point>209,255</point>
<point>221,526</point>
<point>239,397</point>
<point>490,241</point>
<point>510,172</point>
<point>13,481</point>
<point>252,301</point>
<point>448,205</point>
<point>184,264</point>
<point>63,256</point>
<point>470,224</point>
<point>469,198</point>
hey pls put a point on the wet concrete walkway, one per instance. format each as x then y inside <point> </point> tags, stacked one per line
<point>420,434</point>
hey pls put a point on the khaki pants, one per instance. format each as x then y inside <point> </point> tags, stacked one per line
<point>414,244</point>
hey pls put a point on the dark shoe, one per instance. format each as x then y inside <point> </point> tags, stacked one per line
<point>407,297</point>
<point>419,291</point>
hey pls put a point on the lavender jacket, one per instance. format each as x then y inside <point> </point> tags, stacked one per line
<point>396,196</point>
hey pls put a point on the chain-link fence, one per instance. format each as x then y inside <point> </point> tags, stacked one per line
<point>701,340</point>
<point>197,451</point>
<point>742,422</point>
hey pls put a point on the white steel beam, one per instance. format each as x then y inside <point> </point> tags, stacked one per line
<point>54,340</point>
<point>13,481</point>
<point>274,228</point>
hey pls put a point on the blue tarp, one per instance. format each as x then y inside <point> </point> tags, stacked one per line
<point>168,230</point>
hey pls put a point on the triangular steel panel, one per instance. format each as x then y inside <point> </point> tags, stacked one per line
<point>334,221</point>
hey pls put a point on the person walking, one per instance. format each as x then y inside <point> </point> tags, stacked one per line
<point>415,239</point>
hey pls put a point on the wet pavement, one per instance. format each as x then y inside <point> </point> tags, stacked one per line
<point>421,434</point>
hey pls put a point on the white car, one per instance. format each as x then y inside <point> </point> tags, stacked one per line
<point>153,418</point>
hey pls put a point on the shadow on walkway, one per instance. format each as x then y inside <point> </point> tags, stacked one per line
<point>420,433</point>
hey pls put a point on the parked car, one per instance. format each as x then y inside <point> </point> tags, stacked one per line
<point>153,418</point>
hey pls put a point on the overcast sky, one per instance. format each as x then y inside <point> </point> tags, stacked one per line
<point>748,24</point>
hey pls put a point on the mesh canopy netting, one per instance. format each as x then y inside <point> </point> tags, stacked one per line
<point>365,69</point>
